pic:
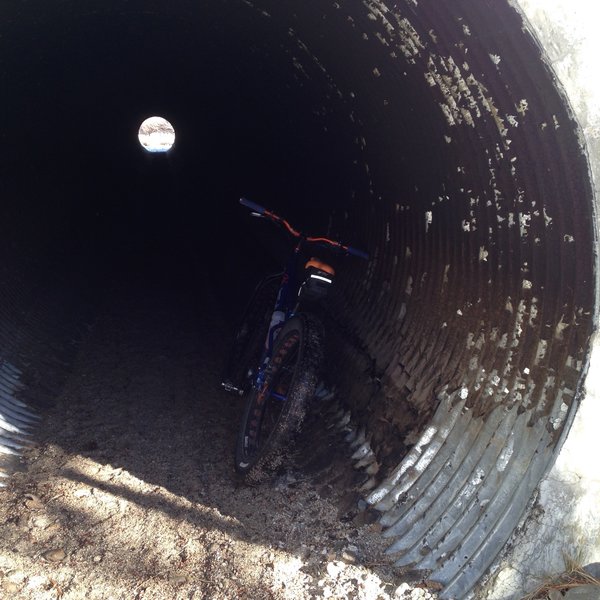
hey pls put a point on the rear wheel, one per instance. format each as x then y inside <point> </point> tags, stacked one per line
<point>274,413</point>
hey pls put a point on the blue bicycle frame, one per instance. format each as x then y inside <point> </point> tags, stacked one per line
<point>286,306</point>
<point>287,301</point>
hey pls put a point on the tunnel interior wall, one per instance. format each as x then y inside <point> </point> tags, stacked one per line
<point>42,319</point>
<point>563,528</point>
<point>433,136</point>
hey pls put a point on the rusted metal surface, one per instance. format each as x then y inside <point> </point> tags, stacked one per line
<point>470,325</point>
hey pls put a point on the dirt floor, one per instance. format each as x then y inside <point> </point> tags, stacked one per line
<point>130,492</point>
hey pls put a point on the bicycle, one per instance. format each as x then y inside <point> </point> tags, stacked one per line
<point>278,350</point>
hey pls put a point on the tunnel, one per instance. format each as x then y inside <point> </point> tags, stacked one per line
<point>432,135</point>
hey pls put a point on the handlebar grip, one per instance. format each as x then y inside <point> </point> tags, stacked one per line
<point>356,252</point>
<point>253,206</point>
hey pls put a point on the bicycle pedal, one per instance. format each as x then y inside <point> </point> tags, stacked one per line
<point>230,387</point>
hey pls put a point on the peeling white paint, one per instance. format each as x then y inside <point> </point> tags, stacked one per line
<point>533,311</point>
<point>541,351</point>
<point>470,343</point>
<point>478,477</point>
<point>512,120</point>
<point>524,222</point>
<point>402,312</point>
<point>447,113</point>
<point>522,107</point>
<point>520,315</point>
<point>556,422</point>
<point>560,327</point>
<point>380,37</point>
<point>506,454</point>
<point>480,342</point>
<point>399,30</point>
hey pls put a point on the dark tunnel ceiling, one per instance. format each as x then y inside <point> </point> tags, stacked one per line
<point>431,134</point>
<point>247,120</point>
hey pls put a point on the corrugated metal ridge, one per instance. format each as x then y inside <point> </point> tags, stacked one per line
<point>16,419</point>
<point>476,304</point>
<point>455,498</point>
<point>39,316</point>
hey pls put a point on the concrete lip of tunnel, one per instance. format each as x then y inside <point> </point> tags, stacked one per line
<point>456,142</point>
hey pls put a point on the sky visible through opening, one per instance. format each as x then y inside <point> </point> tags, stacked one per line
<point>156,135</point>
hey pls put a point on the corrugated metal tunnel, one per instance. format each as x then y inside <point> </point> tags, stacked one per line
<point>431,134</point>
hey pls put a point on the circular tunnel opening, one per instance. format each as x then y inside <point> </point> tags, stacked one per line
<point>433,136</point>
<point>156,134</point>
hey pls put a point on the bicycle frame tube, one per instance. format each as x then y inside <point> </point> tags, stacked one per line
<point>286,299</point>
<point>290,285</point>
<point>288,290</point>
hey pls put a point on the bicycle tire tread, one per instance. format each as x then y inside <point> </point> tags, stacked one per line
<point>302,388</point>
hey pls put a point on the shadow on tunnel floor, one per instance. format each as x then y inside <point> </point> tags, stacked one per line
<point>134,468</point>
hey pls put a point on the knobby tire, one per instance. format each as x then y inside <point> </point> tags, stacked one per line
<point>270,424</point>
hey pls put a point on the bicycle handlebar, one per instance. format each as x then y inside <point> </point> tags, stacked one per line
<point>261,210</point>
<point>253,206</point>
<point>357,252</point>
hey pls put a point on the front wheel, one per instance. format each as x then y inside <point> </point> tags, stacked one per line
<point>274,413</point>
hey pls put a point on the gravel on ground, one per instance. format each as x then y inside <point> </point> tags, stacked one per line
<point>130,492</point>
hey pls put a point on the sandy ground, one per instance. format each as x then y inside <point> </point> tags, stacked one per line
<point>131,492</point>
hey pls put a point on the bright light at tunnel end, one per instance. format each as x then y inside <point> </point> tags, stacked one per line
<point>156,135</point>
